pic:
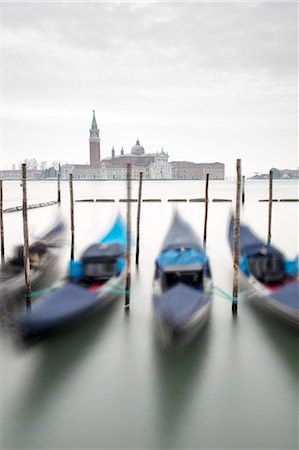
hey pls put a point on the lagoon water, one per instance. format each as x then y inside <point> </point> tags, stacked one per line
<point>108,382</point>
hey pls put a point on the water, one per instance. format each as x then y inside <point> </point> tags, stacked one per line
<point>108,383</point>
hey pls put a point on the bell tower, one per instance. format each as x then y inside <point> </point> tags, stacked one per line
<point>94,143</point>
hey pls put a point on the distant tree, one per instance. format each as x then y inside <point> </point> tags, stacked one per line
<point>51,172</point>
<point>31,164</point>
<point>55,164</point>
<point>43,165</point>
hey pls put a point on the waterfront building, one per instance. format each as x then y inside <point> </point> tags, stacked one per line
<point>94,143</point>
<point>154,165</point>
<point>186,170</point>
<point>17,174</point>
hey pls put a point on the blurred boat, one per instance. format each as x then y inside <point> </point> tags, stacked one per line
<point>44,254</point>
<point>182,293</point>
<point>94,280</point>
<point>273,279</point>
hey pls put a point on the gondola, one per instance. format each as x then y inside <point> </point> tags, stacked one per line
<point>182,291</point>
<point>272,278</point>
<point>44,254</point>
<point>93,281</point>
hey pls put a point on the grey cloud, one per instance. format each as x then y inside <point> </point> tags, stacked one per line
<point>182,68</point>
<point>219,35</point>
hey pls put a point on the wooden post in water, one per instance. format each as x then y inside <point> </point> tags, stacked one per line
<point>138,218</point>
<point>72,217</point>
<point>206,212</point>
<point>128,247</point>
<point>2,225</point>
<point>270,206</point>
<point>58,185</point>
<point>243,189</point>
<point>26,255</point>
<point>236,240</point>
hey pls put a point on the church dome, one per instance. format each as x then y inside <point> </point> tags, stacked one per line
<point>137,149</point>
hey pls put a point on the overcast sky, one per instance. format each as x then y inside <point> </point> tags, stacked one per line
<point>206,81</point>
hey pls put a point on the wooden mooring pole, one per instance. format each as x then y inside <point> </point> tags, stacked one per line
<point>236,240</point>
<point>270,206</point>
<point>58,185</point>
<point>243,189</point>
<point>128,246</point>
<point>26,255</point>
<point>72,217</point>
<point>206,211</point>
<point>138,218</point>
<point>2,224</point>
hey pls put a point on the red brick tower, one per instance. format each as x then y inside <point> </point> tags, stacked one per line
<point>94,143</point>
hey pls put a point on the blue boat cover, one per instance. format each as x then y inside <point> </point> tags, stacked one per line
<point>181,246</point>
<point>57,228</point>
<point>177,305</point>
<point>115,238</point>
<point>249,243</point>
<point>57,307</point>
<point>71,300</point>
<point>181,256</point>
<point>180,234</point>
<point>117,234</point>
<point>288,295</point>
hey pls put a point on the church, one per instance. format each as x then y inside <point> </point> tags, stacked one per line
<point>154,166</point>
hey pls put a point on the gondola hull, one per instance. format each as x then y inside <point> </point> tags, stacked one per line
<point>12,278</point>
<point>81,295</point>
<point>280,299</point>
<point>173,333</point>
<point>182,290</point>
<point>65,307</point>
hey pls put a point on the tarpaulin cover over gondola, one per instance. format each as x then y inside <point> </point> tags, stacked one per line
<point>44,254</point>
<point>274,279</point>
<point>87,289</point>
<point>182,275</point>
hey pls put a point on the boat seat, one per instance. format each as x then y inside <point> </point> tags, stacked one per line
<point>100,262</point>
<point>269,269</point>
<point>100,270</point>
<point>191,275</point>
<point>36,251</point>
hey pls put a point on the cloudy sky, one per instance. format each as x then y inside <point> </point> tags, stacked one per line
<point>207,81</point>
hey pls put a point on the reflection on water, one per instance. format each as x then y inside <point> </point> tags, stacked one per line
<point>60,355</point>
<point>109,383</point>
<point>178,375</point>
<point>281,335</point>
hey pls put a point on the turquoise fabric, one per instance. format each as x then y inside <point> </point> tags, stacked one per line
<point>291,267</point>
<point>244,266</point>
<point>75,270</point>
<point>177,256</point>
<point>120,265</point>
<point>117,234</point>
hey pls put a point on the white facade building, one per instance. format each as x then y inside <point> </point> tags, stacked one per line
<point>160,169</point>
